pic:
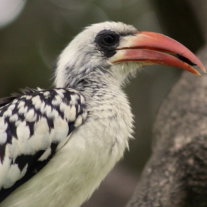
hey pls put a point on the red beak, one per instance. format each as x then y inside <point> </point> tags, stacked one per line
<point>155,48</point>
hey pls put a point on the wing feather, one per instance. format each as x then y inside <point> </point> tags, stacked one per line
<point>32,127</point>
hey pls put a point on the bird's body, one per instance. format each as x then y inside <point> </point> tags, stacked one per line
<point>85,159</point>
<point>57,145</point>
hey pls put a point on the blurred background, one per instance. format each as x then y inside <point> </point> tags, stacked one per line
<point>33,33</point>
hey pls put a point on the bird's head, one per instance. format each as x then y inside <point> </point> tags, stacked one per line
<point>113,50</point>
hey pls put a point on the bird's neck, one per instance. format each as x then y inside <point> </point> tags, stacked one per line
<point>101,91</point>
<point>96,85</point>
<point>109,111</point>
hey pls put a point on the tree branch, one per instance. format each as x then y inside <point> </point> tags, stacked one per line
<point>176,174</point>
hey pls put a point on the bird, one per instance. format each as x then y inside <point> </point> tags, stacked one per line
<point>58,144</point>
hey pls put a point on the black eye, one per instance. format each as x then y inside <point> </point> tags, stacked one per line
<point>107,39</point>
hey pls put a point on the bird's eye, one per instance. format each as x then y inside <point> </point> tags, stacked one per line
<point>107,39</point>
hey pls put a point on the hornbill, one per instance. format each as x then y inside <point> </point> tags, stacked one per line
<point>57,145</point>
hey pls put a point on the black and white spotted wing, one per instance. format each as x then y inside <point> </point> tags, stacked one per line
<point>33,126</point>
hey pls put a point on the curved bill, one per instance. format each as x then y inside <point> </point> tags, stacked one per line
<point>155,48</point>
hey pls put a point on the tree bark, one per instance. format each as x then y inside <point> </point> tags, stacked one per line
<point>176,174</point>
